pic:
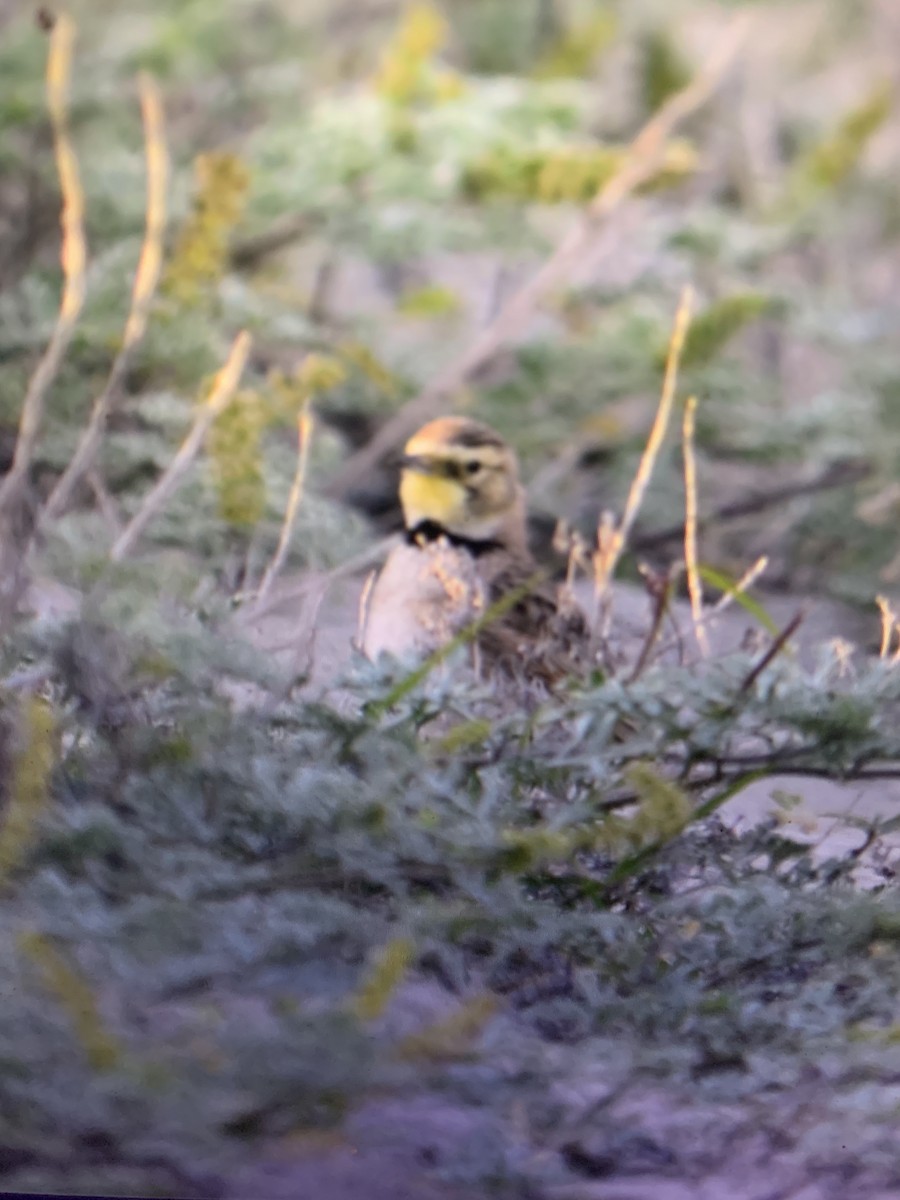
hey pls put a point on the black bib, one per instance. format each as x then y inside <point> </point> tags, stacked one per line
<point>431,531</point>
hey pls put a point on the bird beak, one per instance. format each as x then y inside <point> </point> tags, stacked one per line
<point>415,462</point>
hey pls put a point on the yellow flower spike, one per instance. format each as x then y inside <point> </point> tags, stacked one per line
<point>29,787</point>
<point>200,257</point>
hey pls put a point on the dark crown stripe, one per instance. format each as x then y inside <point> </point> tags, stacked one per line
<point>471,438</point>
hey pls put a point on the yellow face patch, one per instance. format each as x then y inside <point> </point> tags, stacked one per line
<point>431,498</point>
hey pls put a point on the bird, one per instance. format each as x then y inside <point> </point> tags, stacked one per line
<point>464,551</point>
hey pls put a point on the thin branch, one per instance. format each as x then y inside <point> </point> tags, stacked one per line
<point>611,545</point>
<point>774,650</point>
<point>223,389</point>
<point>640,162</point>
<point>304,437</point>
<point>105,502</point>
<point>772,766</point>
<point>247,253</point>
<point>888,625</point>
<point>303,644</point>
<point>694,583</point>
<point>658,431</point>
<point>660,589</point>
<point>840,474</point>
<point>73,256</point>
<point>359,562</point>
<point>145,282</point>
<point>760,767</point>
<point>362,614</point>
<point>746,581</point>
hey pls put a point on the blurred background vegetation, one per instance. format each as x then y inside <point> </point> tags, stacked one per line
<point>254,945</point>
<point>369,181</point>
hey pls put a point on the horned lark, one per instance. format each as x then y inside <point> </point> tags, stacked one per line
<point>466,548</point>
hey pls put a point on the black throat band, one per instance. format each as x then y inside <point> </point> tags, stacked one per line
<point>431,531</point>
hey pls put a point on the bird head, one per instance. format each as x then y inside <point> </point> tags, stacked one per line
<point>460,475</point>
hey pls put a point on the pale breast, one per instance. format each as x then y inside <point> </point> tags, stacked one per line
<point>423,596</point>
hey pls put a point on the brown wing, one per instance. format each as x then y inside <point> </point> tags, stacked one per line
<point>544,637</point>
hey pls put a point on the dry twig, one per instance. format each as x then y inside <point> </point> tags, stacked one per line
<point>659,587</point>
<point>694,584</point>
<point>835,475</point>
<point>888,625</point>
<point>359,562</point>
<point>73,256</point>
<point>745,582</point>
<point>145,281</point>
<point>775,649</point>
<point>245,254</point>
<point>304,437</point>
<point>17,515</point>
<point>640,162</point>
<point>362,614</point>
<point>223,389</point>
<point>612,539</point>
<point>105,503</point>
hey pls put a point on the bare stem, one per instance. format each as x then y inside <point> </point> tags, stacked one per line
<point>774,650</point>
<point>223,389</point>
<point>304,437</point>
<point>145,282</point>
<point>358,562</point>
<point>73,255</point>
<point>746,581</point>
<point>660,590</point>
<point>694,583</point>
<point>611,543</point>
<point>888,624</point>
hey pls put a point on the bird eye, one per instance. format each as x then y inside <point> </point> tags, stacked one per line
<point>473,466</point>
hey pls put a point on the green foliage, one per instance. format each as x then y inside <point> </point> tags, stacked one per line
<point>712,329</point>
<point>501,36</point>
<point>452,1038</point>
<point>431,301</point>
<point>237,919</point>
<point>202,923</point>
<point>200,255</point>
<point>386,975</point>
<point>454,165</point>
<point>408,73</point>
<point>830,161</point>
<point>70,991</point>
<point>573,173</point>
<point>728,587</point>
<point>234,448</point>
<point>316,375</point>
<point>579,47</point>
<point>663,809</point>
<point>22,53</point>
<point>662,68</point>
<point>33,755</point>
